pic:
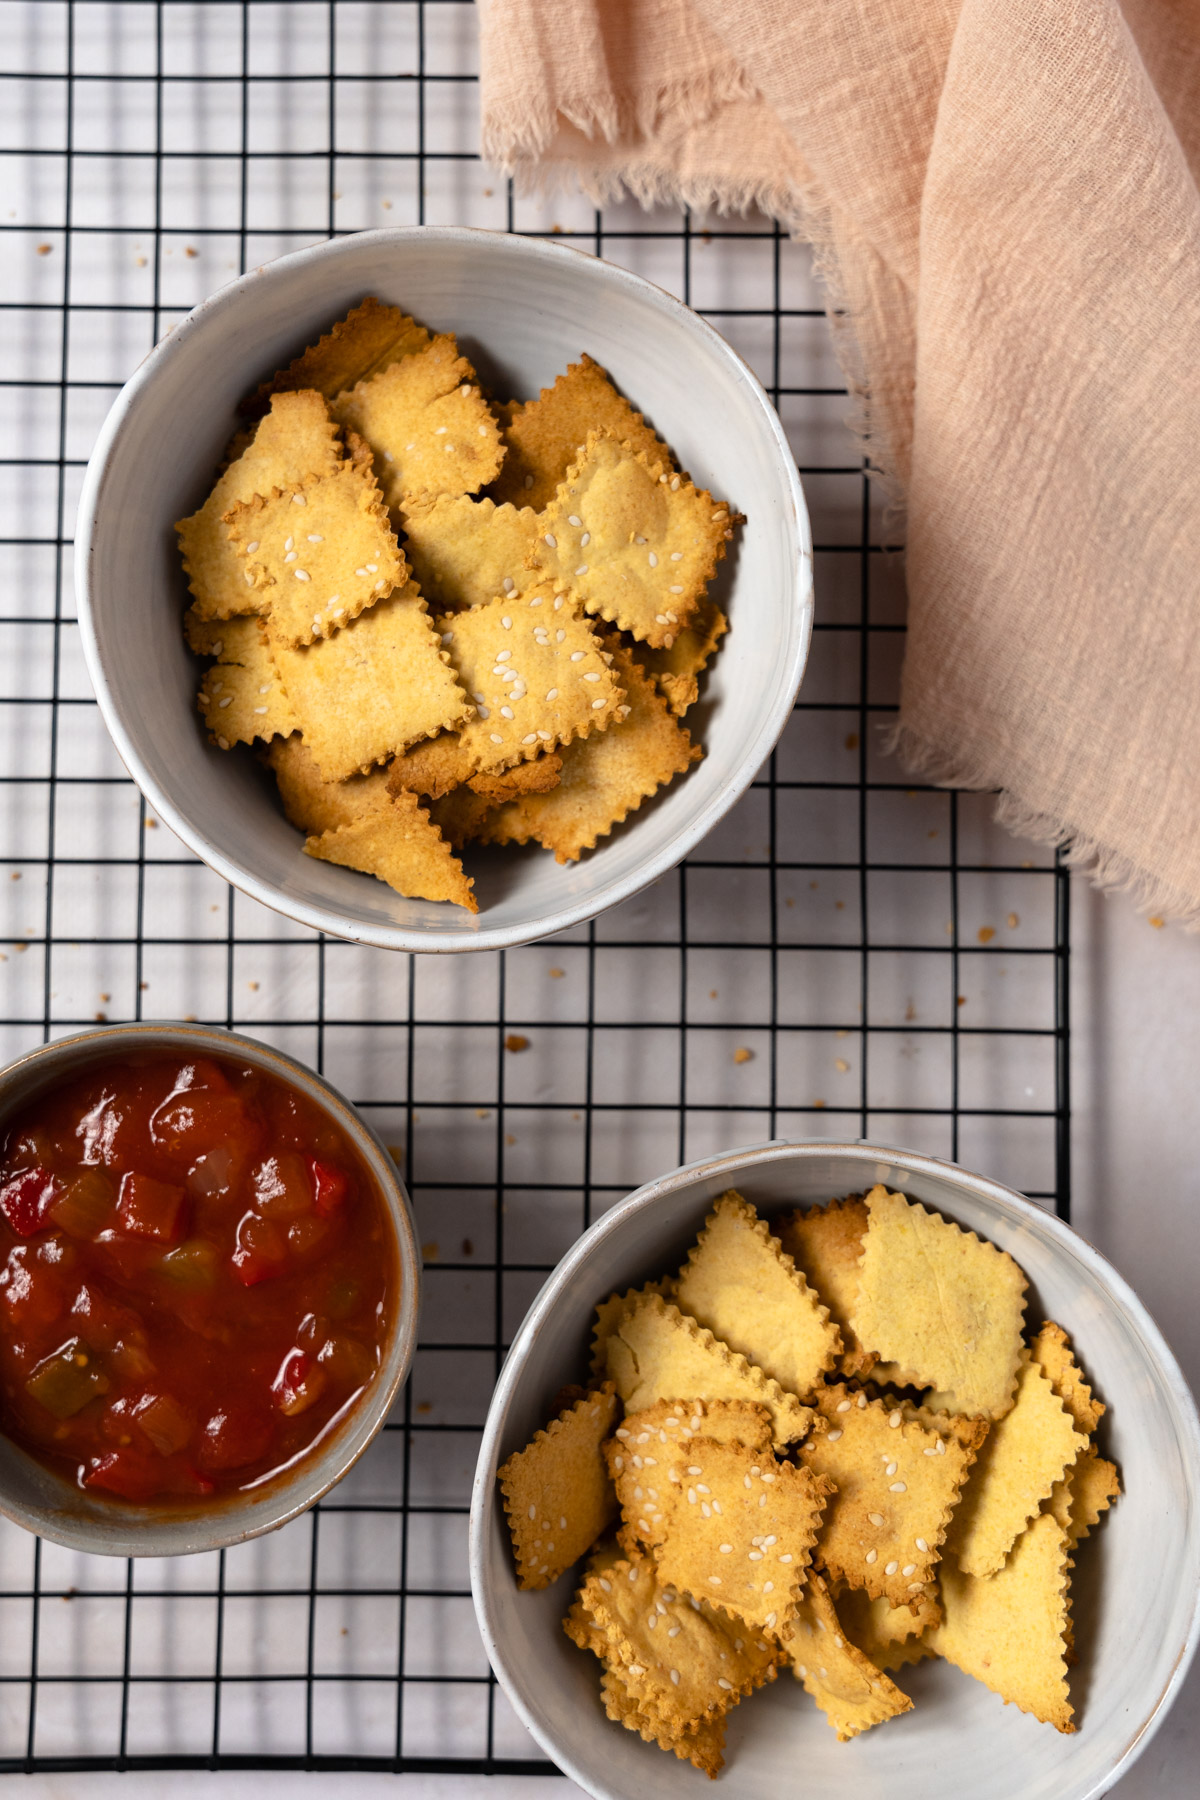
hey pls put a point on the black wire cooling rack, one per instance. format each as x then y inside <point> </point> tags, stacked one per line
<point>846,956</point>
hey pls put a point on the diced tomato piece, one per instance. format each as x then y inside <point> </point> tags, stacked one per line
<point>330,1186</point>
<point>308,1234</point>
<point>233,1437</point>
<point>189,1124</point>
<point>151,1209</point>
<point>26,1200</point>
<point>33,1294</point>
<point>136,1475</point>
<point>282,1189</point>
<point>260,1252</point>
<point>299,1382</point>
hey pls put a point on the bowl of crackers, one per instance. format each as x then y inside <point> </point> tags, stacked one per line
<point>442,588</point>
<point>836,1469</point>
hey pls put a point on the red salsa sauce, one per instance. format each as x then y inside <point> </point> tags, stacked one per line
<point>197,1277</point>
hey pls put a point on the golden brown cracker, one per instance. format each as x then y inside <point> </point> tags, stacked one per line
<point>368,340</point>
<point>1088,1489</point>
<point>206,637</point>
<point>604,777</point>
<point>1053,1354</point>
<point>878,1627</point>
<point>741,1283</point>
<point>464,551</point>
<point>435,766</point>
<point>428,424</point>
<point>645,545</point>
<point>310,802</point>
<point>1026,1452</point>
<point>545,435</point>
<point>655,1352</point>
<point>397,843</point>
<point>610,1311</point>
<point>740,1529</point>
<point>702,1744</point>
<point>1008,1629</point>
<point>941,1303</point>
<point>826,1244</point>
<point>296,440</point>
<point>849,1688</point>
<point>644,1453</point>
<point>376,686</point>
<point>461,816</point>
<point>538,776</point>
<point>675,670</point>
<point>241,696</point>
<point>320,551</point>
<point>537,673</point>
<point>897,1487</point>
<point>556,1490</point>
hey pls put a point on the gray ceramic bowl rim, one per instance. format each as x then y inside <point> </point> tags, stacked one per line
<point>149,1531</point>
<point>727,1166</point>
<point>321,918</point>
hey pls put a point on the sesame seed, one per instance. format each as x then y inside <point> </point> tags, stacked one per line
<point>941,1447</point>
<point>787,1558</point>
<point>894,1419</point>
<point>552,693</point>
<point>484,714</point>
<point>833,1436</point>
<point>314,537</point>
<point>361,572</point>
<point>302,574</point>
<point>289,543</point>
<point>897,1487</point>
<point>560,634</point>
<point>756,1555</point>
<point>674,1672</point>
<point>872,1556</point>
<point>891,1469</point>
<point>574,519</point>
<point>372,568</point>
<point>908,1568</point>
<point>533,1512</point>
<point>843,1405</point>
<point>496,738</point>
<point>260,709</point>
<point>223,742</point>
<point>660,619</point>
<point>720,513</point>
<point>921,1544</point>
<point>558,600</point>
<point>597,704</point>
<point>801,1671</point>
<point>441,431</point>
<point>506,712</point>
<point>653,560</point>
<point>447,637</point>
<point>251,548</point>
<point>639,540</point>
<point>506,622</point>
<point>576,655</point>
<point>691,1496</point>
<point>675,589</point>
<point>582,569</point>
<point>746,1480</point>
<point>715,1580</point>
<point>333,599</point>
<point>483,431</point>
<point>299,500</point>
<point>875,1518</point>
<point>503,656</point>
<point>227,701</point>
<point>862,1401</point>
<point>552,540</point>
<point>890,1568</point>
<point>546,737</point>
<point>592,675</point>
<point>291,555</point>
<point>722,1683</point>
<point>771,1617</point>
<point>768,1587</point>
<point>585,540</point>
<point>530,737</point>
<point>674,1632</point>
<point>668,640</point>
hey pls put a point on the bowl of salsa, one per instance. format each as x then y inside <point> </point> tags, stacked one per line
<point>209,1287</point>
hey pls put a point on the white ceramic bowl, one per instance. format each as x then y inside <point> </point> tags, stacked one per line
<point>523,310</point>
<point>1136,1607</point>
<point>45,1502</point>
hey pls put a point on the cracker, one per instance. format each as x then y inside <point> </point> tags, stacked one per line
<point>605,777</point>
<point>645,545</point>
<point>297,439</point>
<point>310,802</point>
<point>610,1311</point>
<point>322,550</point>
<point>545,435</point>
<point>206,637</point>
<point>880,1629</point>
<point>740,1283</point>
<point>397,843</point>
<point>675,670</point>
<point>1052,1352</point>
<point>658,1353</point>
<point>702,1745</point>
<point>847,1686</point>
<point>556,1490</point>
<point>1025,1454</point>
<point>538,675</point>
<point>941,1303</point>
<point>464,552</point>
<point>368,340</point>
<point>241,696</point>
<point>434,767</point>
<point>538,776</point>
<point>645,1451</point>
<point>1008,1629</point>
<point>826,1244</point>
<point>897,1487</point>
<point>1087,1490</point>
<point>376,686</point>
<point>429,426</point>
<point>461,816</point>
<point>740,1530</point>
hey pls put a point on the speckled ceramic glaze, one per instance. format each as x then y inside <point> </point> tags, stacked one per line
<point>46,1503</point>
<point>523,310</point>
<point>1135,1594</point>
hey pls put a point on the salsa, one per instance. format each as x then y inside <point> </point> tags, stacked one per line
<point>197,1276</point>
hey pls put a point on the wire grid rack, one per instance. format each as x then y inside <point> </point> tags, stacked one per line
<point>845,956</point>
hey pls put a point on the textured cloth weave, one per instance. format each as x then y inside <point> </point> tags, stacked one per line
<point>1002,195</point>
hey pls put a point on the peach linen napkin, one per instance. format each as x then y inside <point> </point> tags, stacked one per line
<point>1002,197</point>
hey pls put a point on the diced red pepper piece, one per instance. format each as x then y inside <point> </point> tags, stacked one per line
<point>330,1186</point>
<point>135,1475</point>
<point>282,1188</point>
<point>233,1437</point>
<point>151,1209</point>
<point>26,1200</point>
<point>33,1292</point>
<point>298,1384</point>
<point>260,1251</point>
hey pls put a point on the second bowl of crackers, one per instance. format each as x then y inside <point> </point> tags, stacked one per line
<point>442,588</point>
<point>837,1470</point>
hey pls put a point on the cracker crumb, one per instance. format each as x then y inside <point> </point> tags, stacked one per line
<point>841,1065</point>
<point>253,986</point>
<point>468,1248</point>
<point>424,1406</point>
<point>509,1139</point>
<point>15,876</point>
<point>986,933</point>
<point>515,1042</point>
<point>430,1251</point>
<point>1157,922</point>
<point>743,1055</point>
<point>852,741</point>
<point>482,1112</point>
<point>44,249</point>
<point>557,974</point>
<point>1013,921</point>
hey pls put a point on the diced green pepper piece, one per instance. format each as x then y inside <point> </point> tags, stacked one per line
<point>341,1299</point>
<point>65,1382</point>
<point>193,1266</point>
<point>165,1423</point>
<point>87,1205</point>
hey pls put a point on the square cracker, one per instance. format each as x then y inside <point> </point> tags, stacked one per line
<point>941,1303</point>
<point>540,775</point>
<point>368,340</point>
<point>241,696</point>
<point>740,1530</point>
<point>645,1451</point>
<point>878,1628</point>
<point>1088,1489</point>
<point>376,686</point>
<point>1052,1352</point>
<point>849,1688</point>
<point>435,766</point>
<point>310,802</point>
<point>826,1244</point>
<point>545,435</point>
<point>464,552</point>
<point>1026,1452</point>
<point>605,777</point>
<point>397,843</point>
<point>637,545</point>
<point>610,1312</point>
<point>740,1282</point>
<point>556,1490</point>
<point>427,423</point>
<point>897,1487</point>
<point>318,552</point>
<point>675,670</point>
<point>658,1353</point>
<point>702,1744</point>
<point>296,440</point>
<point>538,675</point>
<point>1008,1629</point>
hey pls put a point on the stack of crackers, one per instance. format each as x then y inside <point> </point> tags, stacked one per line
<point>430,665</point>
<point>824,1445</point>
